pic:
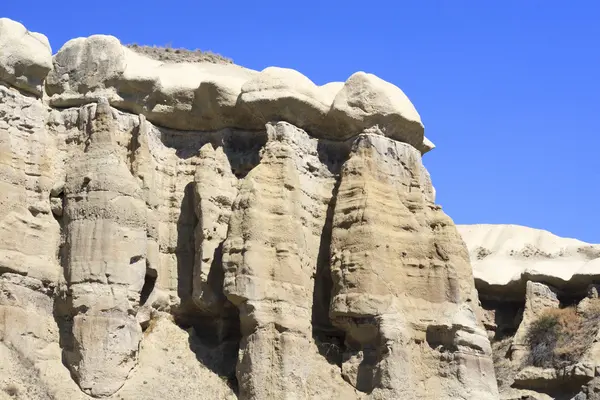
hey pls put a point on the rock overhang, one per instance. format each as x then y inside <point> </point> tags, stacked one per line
<point>505,257</point>
<point>204,96</point>
<point>25,57</point>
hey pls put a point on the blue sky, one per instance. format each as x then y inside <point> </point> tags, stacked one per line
<point>508,90</point>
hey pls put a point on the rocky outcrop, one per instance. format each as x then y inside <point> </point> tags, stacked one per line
<point>533,281</point>
<point>198,230</point>
<point>105,256</point>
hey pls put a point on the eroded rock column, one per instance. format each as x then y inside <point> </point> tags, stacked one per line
<point>403,289</point>
<point>215,190</point>
<point>29,232</point>
<point>106,257</point>
<point>538,298</point>
<point>269,257</point>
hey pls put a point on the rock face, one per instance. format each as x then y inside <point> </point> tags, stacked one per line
<point>194,230</point>
<point>402,290</point>
<point>528,278</point>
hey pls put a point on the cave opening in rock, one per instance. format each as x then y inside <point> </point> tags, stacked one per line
<point>503,318</point>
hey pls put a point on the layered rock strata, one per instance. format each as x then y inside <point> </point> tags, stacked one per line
<point>223,233</point>
<point>524,275</point>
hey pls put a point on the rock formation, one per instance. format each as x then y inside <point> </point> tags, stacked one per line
<point>205,231</point>
<point>526,278</point>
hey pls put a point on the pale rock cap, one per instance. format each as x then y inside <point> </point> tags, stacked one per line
<point>25,57</point>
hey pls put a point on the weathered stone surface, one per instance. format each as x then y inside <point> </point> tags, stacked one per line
<point>208,231</point>
<point>184,96</point>
<point>29,235</point>
<point>366,101</point>
<point>169,366</point>
<point>401,288</point>
<point>269,272</point>
<point>215,191</point>
<point>25,57</point>
<point>284,94</point>
<point>105,260</point>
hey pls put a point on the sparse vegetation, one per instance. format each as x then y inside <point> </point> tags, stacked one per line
<point>331,349</point>
<point>482,253</point>
<point>560,337</point>
<point>12,390</point>
<point>502,363</point>
<point>169,54</point>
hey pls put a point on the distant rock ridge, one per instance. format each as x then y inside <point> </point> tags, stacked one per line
<point>505,257</point>
<point>526,277</point>
<point>203,231</point>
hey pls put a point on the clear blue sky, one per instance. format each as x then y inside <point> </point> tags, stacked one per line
<point>508,90</point>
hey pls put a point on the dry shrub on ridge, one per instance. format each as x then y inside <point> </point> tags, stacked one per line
<point>560,336</point>
<point>171,55</point>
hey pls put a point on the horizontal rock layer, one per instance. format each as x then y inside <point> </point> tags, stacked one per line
<point>203,96</point>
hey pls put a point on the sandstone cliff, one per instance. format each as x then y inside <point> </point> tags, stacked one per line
<point>541,310</point>
<point>205,231</point>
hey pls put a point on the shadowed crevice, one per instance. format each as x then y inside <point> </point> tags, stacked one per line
<point>185,252</point>
<point>149,283</point>
<point>329,339</point>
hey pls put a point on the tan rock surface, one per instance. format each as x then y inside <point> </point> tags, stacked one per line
<point>269,272</point>
<point>193,230</point>
<point>402,291</point>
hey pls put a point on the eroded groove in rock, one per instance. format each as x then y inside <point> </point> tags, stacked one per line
<point>329,338</point>
<point>185,250</point>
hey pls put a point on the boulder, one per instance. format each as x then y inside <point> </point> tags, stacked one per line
<point>366,101</point>
<point>284,94</point>
<point>25,57</point>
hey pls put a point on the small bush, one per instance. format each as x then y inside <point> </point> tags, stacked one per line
<point>169,54</point>
<point>560,337</point>
<point>12,390</point>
